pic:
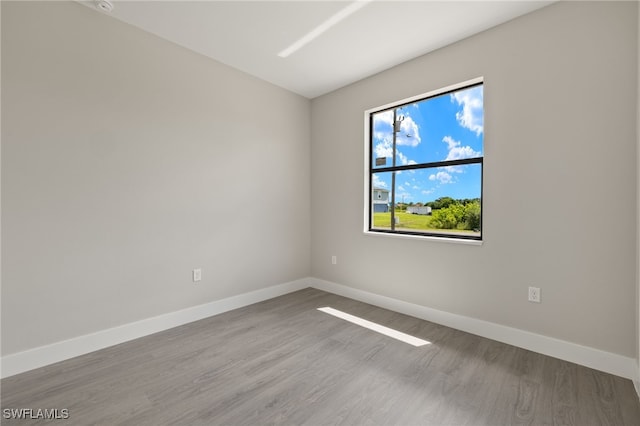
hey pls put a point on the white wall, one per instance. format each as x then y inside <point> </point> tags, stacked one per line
<point>119,151</point>
<point>560,173</point>
<point>127,161</point>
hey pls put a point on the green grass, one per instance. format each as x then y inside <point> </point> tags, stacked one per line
<point>407,220</point>
<point>411,221</point>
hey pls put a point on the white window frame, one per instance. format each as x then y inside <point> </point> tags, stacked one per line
<point>367,166</point>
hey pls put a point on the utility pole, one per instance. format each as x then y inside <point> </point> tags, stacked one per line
<point>393,176</point>
<point>396,129</point>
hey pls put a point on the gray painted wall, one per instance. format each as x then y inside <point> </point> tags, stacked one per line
<point>560,180</point>
<point>638,213</point>
<point>127,161</point>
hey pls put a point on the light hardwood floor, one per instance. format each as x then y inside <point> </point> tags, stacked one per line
<point>284,362</point>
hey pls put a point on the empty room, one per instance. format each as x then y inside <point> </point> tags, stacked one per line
<point>320,212</point>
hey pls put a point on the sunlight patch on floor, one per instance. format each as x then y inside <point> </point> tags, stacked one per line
<point>406,338</point>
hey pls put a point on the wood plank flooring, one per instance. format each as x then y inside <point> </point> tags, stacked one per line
<point>284,362</point>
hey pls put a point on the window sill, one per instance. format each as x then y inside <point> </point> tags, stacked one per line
<point>425,238</point>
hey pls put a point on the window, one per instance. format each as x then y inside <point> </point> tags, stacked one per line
<point>425,164</point>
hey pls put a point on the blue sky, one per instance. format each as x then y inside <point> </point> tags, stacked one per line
<point>446,127</point>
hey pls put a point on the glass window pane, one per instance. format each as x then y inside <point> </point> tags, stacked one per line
<point>439,200</point>
<point>381,200</point>
<point>382,140</point>
<point>442,128</point>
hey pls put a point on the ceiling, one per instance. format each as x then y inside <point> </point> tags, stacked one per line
<point>248,35</point>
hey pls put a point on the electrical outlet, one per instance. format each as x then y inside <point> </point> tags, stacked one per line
<point>334,260</point>
<point>534,294</point>
<point>197,275</point>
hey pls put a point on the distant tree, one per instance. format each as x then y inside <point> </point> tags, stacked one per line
<point>466,201</point>
<point>472,215</point>
<point>442,203</point>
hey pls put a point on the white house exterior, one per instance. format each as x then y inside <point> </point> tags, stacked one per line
<point>380,200</point>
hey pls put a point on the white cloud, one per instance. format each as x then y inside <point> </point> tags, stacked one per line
<point>451,143</point>
<point>472,114</point>
<point>384,149</point>
<point>457,152</point>
<point>378,183</point>
<point>403,159</point>
<point>442,177</point>
<point>401,188</point>
<point>453,169</point>
<point>403,196</point>
<point>385,117</point>
<point>409,134</point>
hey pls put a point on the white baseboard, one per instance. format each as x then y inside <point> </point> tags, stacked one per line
<point>593,358</point>
<point>636,381</point>
<point>44,355</point>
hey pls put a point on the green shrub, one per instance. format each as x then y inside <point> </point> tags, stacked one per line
<point>472,215</point>
<point>457,216</point>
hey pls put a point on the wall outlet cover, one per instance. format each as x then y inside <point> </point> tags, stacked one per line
<point>534,294</point>
<point>197,275</point>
